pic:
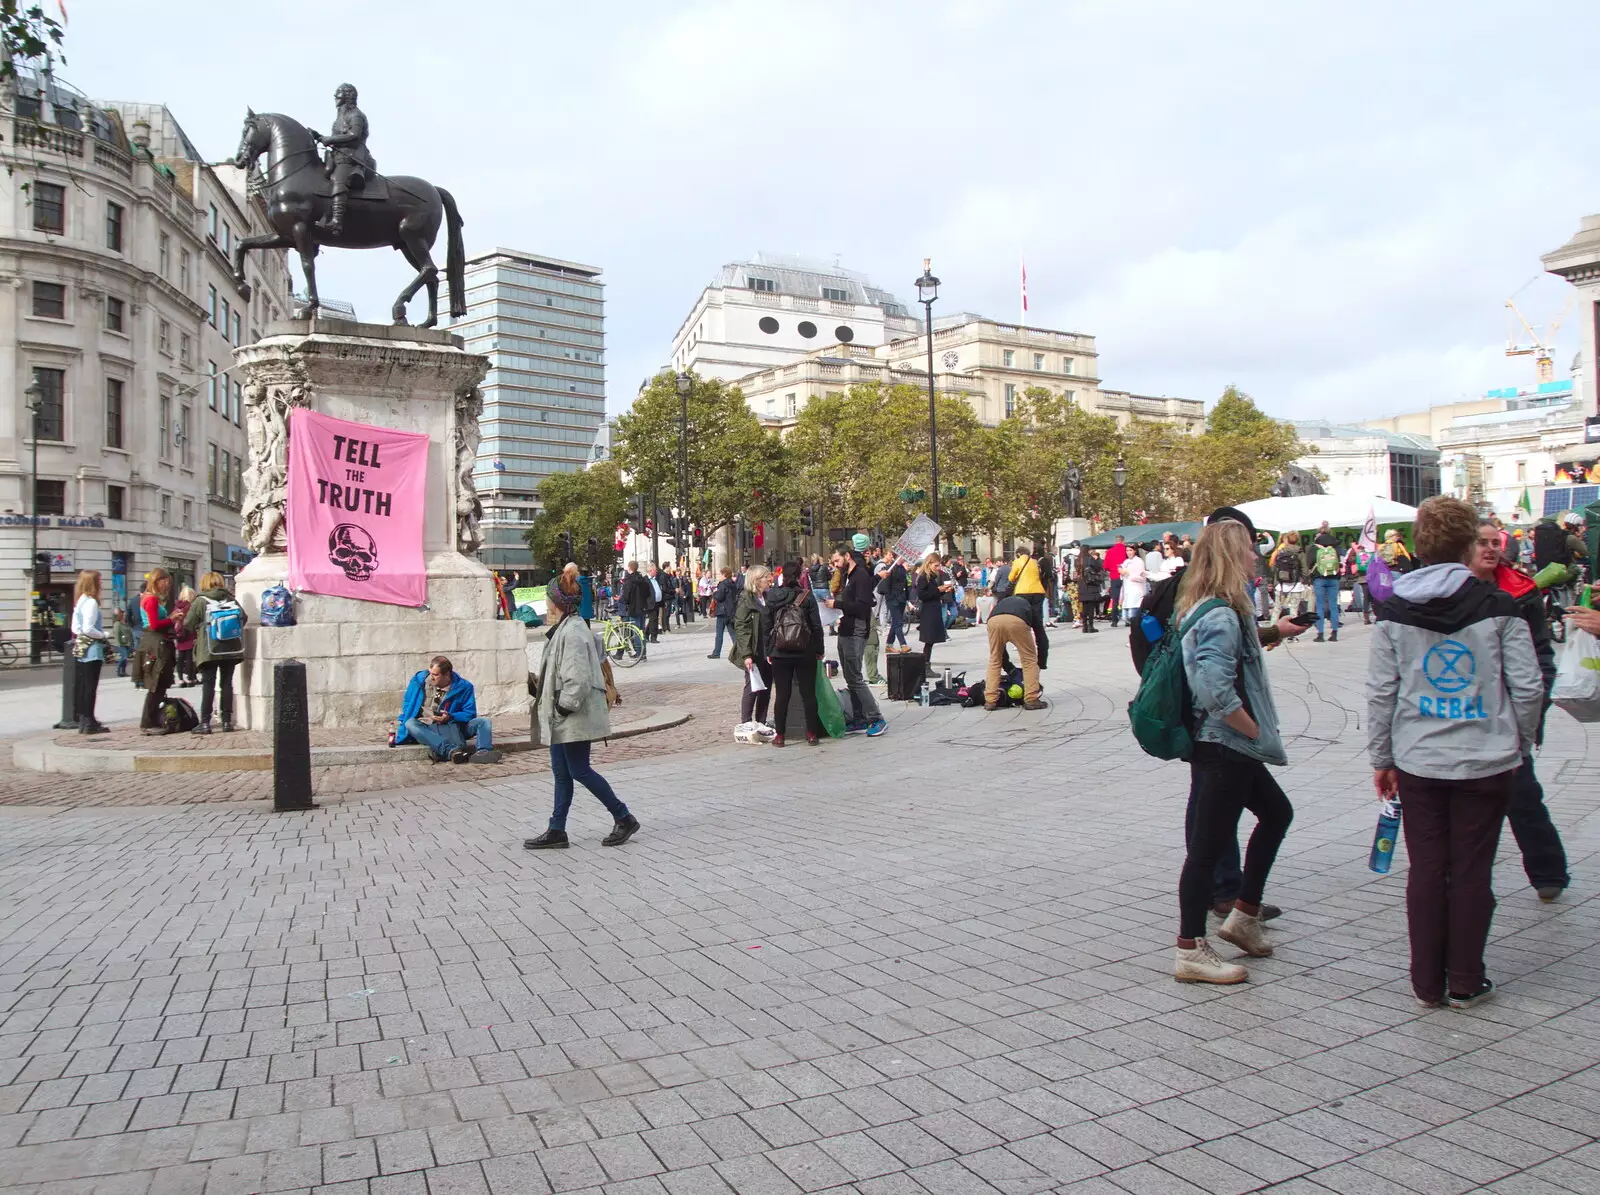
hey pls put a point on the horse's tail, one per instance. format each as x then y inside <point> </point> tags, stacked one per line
<point>455,264</point>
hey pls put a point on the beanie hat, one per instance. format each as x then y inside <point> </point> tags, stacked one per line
<point>860,542</point>
<point>565,602</point>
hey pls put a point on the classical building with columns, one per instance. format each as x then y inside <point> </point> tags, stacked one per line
<point>114,235</point>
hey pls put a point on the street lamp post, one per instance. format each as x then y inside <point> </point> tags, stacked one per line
<point>927,292</point>
<point>1119,478</point>
<point>34,395</point>
<point>685,384</point>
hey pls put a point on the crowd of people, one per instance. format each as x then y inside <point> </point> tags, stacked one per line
<point>1460,670</point>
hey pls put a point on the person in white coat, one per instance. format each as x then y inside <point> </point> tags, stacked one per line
<point>1135,584</point>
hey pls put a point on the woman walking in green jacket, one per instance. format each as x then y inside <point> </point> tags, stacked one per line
<point>573,711</point>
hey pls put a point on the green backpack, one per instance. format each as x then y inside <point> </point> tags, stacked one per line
<point>1161,710</point>
<point>1327,561</point>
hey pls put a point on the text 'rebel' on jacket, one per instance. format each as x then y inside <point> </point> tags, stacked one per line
<point>1454,690</point>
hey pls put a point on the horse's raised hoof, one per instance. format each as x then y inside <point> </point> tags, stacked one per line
<point>399,314</point>
<point>244,288</point>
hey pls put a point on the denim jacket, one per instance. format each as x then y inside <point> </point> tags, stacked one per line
<point>1218,652</point>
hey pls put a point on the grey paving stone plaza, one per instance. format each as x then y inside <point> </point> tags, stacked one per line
<point>937,961</point>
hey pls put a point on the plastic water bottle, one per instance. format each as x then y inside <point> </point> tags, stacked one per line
<point>1151,627</point>
<point>1388,834</point>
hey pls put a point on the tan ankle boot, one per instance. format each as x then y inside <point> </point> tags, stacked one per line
<point>1201,965</point>
<point>1245,932</point>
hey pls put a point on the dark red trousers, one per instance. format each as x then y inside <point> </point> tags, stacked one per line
<point>1452,831</point>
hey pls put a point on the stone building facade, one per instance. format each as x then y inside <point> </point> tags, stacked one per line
<point>109,263</point>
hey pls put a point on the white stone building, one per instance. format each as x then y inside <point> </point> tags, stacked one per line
<point>1365,462</point>
<point>777,308</point>
<point>106,245</point>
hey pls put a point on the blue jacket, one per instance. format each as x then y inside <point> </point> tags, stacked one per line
<point>1222,659</point>
<point>459,702</point>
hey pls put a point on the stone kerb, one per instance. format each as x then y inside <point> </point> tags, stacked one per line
<point>360,655</point>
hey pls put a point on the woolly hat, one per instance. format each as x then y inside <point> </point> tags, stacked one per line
<point>860,542</point>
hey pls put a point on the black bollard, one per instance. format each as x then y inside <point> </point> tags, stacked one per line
<point>69,690</point>
<point>291,738</point>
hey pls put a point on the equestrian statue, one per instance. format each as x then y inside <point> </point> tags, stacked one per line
<point>342,201</point>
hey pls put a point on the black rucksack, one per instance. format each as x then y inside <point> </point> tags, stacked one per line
<point>1549,545</point>
<point>1158,603</point>
<point>178,716</point>
<point>789,631</point>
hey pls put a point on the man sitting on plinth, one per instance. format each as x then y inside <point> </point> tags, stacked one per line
<point>440,712</point>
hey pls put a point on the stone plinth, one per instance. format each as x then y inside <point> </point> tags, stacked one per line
<point>1578,261</point>
<point>359,655</point>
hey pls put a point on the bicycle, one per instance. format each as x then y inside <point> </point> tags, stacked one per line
<point>9,654</point>
<point>621,641</point>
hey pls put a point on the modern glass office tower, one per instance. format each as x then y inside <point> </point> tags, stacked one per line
<point>541,323</point>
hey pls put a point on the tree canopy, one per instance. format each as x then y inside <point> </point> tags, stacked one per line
<point>587,504</point>
<point>860,458</point>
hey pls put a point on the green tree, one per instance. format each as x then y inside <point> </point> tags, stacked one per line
<point>854,453</point>
<point>736,467</point>
<point>1045,435</point>
<point>26,34</point>
<point>588,503</point>
<point>1239,457</point>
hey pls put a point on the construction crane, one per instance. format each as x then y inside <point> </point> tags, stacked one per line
<point>1541,347</point>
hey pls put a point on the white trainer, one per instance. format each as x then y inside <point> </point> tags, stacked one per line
<point>1202,965</point>
<point>1245,932</point>
<point>768,733</point>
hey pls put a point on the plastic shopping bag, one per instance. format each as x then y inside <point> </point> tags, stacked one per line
<point>1380,579</point>
<point>1577,687</point>
<point>828,708</point>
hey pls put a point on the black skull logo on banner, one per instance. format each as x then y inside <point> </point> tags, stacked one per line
<point>354,550</point>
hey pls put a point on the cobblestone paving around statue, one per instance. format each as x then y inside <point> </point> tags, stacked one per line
<point>936,961</point>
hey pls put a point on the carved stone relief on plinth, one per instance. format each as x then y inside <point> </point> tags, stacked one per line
<point>268,399</point>
<point>469,509</point>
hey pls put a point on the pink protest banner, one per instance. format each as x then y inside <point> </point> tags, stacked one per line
<point>356,496</point>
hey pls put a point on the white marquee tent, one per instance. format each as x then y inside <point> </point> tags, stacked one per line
<point>1312,510</point>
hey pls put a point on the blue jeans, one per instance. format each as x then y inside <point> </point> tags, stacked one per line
<point>569,762</point>
<point>722,625</point>
<point>1326,592</point>
<point>638,621</point>
<point>442,738</point>
<point>122,660</point>
<point>897,623</point>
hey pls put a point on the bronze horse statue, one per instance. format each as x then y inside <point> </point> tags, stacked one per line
<point>298,195</point>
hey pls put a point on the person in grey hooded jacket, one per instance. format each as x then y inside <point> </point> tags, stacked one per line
<point>1454,695</point>
<point>572,712</point>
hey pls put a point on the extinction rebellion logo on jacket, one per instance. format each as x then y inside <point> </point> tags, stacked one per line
<point>1450,667</point>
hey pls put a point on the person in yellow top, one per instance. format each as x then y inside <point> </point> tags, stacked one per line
<point>1025,583</point>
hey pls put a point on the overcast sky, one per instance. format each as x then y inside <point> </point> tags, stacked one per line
<point>1325,203</point>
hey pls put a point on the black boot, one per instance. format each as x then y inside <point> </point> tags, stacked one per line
<point>622,831</point>
<point>549,840</point>
<point>334,224</point>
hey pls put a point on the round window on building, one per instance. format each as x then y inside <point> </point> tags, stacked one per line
<point>807,329</point>
<point>843,334</point>
<point>768,325</point>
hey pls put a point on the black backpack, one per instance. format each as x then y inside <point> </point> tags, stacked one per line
<point>1549,545</point>
<point>789,631</point>
<point>1157,604</point>
<point>177,715</point>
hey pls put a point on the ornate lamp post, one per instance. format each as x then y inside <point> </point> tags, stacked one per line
<point>1119,478</point>
<point>34,396</point>
<point>927,292</point>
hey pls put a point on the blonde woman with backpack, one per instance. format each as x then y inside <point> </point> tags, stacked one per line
<point>1235,737</point>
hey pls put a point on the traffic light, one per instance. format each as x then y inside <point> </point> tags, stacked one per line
<point>594,552</point>
<point>808,521</point>
<point>565,539</point>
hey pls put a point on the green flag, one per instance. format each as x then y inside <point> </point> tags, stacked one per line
<point>1524,502</point>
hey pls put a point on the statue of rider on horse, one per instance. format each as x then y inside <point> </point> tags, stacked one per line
<point>348,163</point>
<point>341,200</point>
